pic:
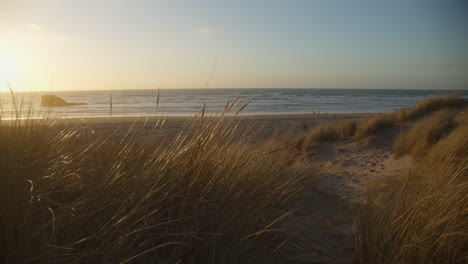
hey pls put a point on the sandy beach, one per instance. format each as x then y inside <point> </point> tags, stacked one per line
<point>264,125</point>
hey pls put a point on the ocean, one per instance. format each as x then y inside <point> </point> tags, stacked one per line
<point>185,102</point>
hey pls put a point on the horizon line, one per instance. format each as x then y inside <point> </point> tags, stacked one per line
<point>231,88</point>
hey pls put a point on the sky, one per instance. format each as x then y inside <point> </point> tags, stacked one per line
<point>146,44</point>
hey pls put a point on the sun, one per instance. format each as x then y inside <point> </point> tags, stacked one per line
<point>9,69</point>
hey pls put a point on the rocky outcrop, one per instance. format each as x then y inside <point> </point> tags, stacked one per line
<point>55,101</point>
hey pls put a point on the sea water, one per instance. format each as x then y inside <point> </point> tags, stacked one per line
<point>184,102</point>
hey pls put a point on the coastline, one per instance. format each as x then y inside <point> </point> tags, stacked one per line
<point>263,126</point>
<point>278,117</point>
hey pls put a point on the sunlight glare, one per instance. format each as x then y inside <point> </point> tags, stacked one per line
<point>9,70</point>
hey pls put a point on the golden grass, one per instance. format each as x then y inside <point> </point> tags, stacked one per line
<point>451,150</point>
<point>205,196</point>
<point>420,216</point>
<point>425,134</point>
<point>359,128</point>
<point>425,107</point>
<point>371,126</point>
<point>366,127</point>
<point>415,218</point>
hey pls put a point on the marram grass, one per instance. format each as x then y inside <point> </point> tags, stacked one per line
<point>369,126</point>
<point>203,196</point>
<point>420,216</point>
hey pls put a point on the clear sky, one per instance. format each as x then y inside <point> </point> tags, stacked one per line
<point>138,44</point>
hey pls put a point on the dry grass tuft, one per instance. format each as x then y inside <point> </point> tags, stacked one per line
<point>451,150</point>
<point>321,133</point>
<point>420,216</point>
<point>360,128</point>
<point>366,127</point>
<point>425,134</point>
<point>205,196</point>
<point>371,126</point>
<point>428,106</point>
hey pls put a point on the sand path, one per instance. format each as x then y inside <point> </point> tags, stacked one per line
<point>344,170</point>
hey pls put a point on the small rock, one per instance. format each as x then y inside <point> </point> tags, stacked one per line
<point>55,101</point>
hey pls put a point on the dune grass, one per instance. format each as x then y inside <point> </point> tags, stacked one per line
<point>457,143</point>
<point>421,109</point>
<point>420,216</point>
<point>211,195</point>
<point>357,129</point>
<point>424,134</point>
<point>205,196</point>
<point>369,126</point>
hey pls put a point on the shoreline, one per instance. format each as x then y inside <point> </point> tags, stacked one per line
<point>263,126</point>
<point>291,117</point>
